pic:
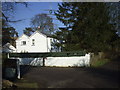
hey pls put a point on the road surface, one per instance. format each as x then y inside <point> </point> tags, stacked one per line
<point>106,76</point>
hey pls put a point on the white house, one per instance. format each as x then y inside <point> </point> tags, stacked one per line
<point>8,48</point>
<point>37,42</point>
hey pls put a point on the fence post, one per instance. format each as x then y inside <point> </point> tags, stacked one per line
<point>43,61</point>
<point>8,56</point>
<point>18,69</point>
<point>87,56</point>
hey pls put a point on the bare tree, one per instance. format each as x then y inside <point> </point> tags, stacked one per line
<point>8,8</point>
<point>9,33</point>
<point>44,22</point>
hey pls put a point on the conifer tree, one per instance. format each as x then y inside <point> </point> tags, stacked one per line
<point>88,25</point>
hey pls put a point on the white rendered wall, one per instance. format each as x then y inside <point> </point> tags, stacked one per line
<point>19,46</point>
<point>55,61</point>
<point>68,61</point>
<point>40,43</point>
<point>31,61</point>
<point>49,43</point>
<point>76,61</point>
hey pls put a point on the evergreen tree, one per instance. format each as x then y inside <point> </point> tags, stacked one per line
<point>28,31</point>
<point>61,35</point>
<point>9,35</point>
<point>88,25</point>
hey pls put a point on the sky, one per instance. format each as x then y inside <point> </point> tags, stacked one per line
<point>34,8</point>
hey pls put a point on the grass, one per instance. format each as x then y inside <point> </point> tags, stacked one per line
<point>99,63</point>
<point>27,85</point>
<point>24,83</point>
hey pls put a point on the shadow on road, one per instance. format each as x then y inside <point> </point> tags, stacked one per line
<point>24,69</point>
<point>106,76</point>
<point>109,72</point>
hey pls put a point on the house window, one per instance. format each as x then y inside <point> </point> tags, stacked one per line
<point>33,42</point>
<point>23,42</point>
<point>51,40</point>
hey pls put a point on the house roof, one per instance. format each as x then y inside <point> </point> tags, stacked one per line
<point>44,34</point>
<point>21,36</point>
<point>8,47</point>
<point>48,35</point>
<point>39,33</point>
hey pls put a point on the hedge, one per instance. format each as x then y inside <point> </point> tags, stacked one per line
<point>48,54</point>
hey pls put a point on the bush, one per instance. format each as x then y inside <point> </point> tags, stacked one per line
<point>100,62</point>
<point>99,59</point>
<point>48,54</point>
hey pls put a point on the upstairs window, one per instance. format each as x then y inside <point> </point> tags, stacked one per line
<point>23,42</point>
<point>51,40</point>
<point>33,42</point>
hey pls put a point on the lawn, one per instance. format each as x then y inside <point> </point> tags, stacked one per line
<point>99,63</point>
<point>24,83</point>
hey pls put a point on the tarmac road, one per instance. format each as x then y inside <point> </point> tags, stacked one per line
<point>106,76</point>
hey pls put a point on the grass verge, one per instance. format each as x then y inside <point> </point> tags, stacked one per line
<point>27,85</point>
<point>99,63</point>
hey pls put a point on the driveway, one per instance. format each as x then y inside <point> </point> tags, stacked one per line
<point>57,77</point>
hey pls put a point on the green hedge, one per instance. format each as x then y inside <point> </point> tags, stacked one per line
<point>49,54</point>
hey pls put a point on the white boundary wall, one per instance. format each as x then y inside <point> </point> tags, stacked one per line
<point>68,61</point>
<point>75,61</point>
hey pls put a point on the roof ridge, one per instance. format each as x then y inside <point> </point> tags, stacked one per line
<point>39,33</point>
<point>22,35</point>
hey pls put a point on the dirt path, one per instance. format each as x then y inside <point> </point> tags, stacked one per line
<point>53,77</point>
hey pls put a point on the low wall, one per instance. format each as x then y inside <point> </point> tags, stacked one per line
<point>68,61</point>
<point>57,61</point>
<point>31,61</point>
<point>75,61</point>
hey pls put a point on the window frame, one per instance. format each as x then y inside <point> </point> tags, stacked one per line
<point>23,43</point>
<point>33,42</point>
